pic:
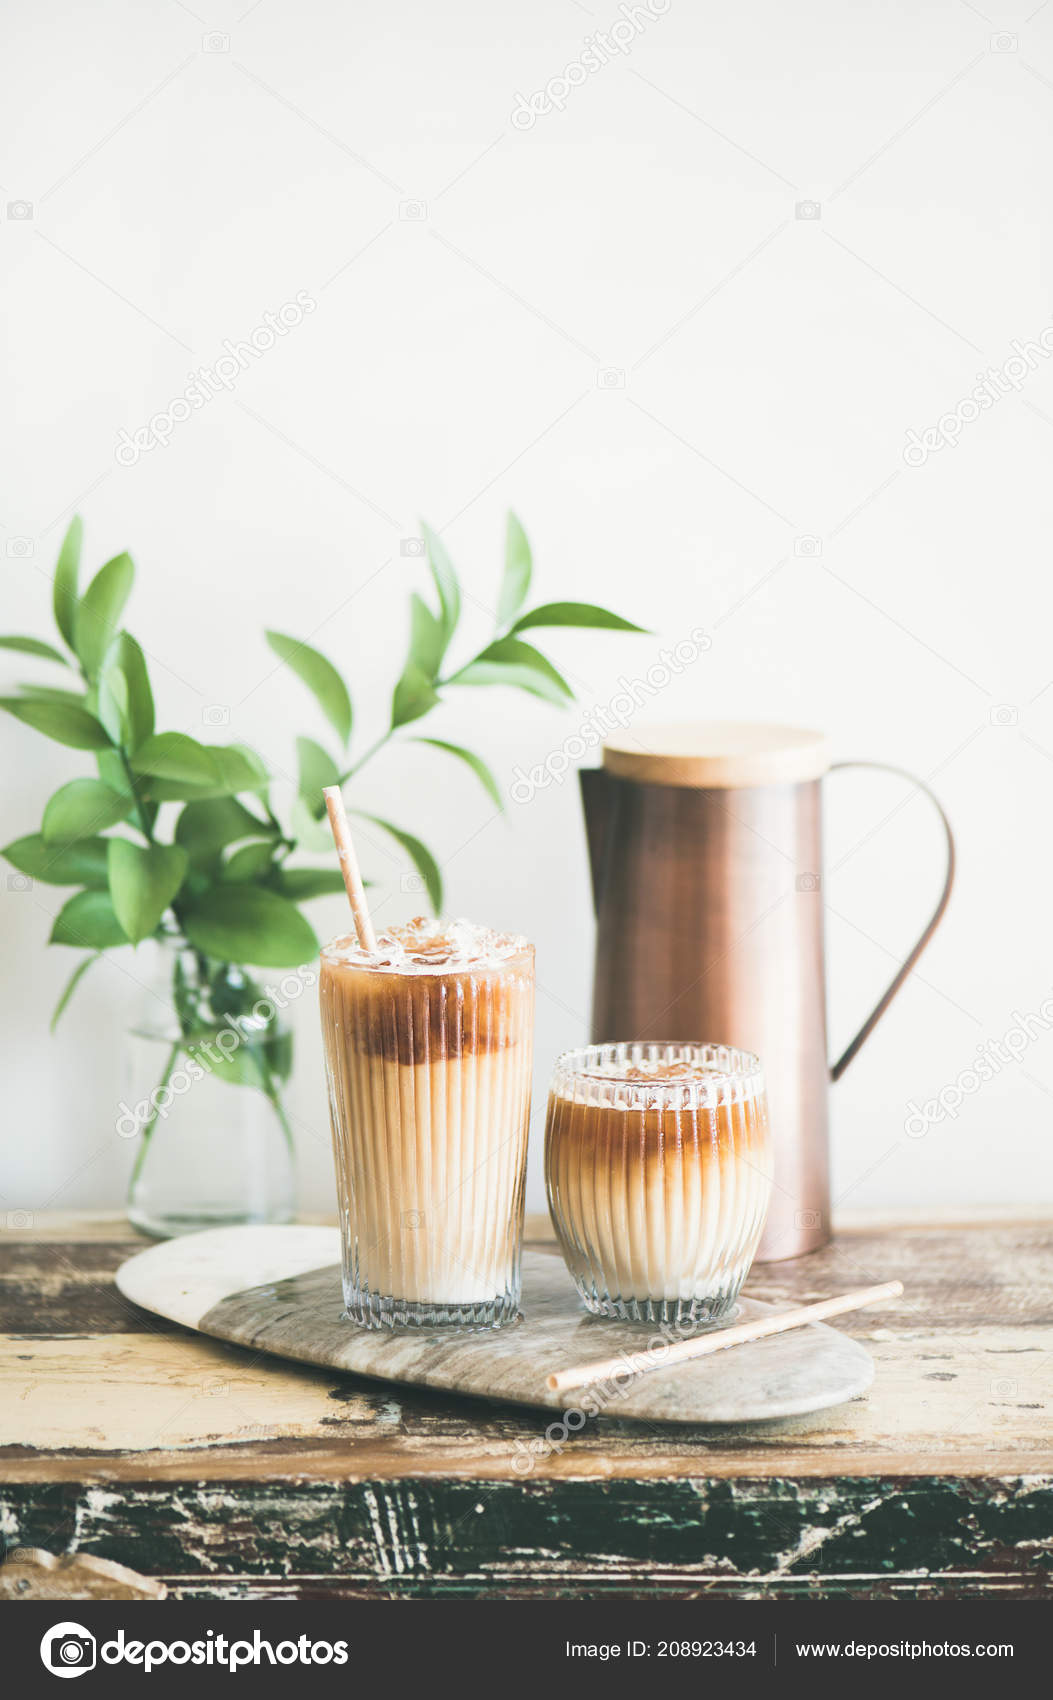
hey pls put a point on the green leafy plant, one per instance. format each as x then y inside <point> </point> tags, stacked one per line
<point>220,879</point>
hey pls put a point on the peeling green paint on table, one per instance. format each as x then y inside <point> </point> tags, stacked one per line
<point>427,1537</point>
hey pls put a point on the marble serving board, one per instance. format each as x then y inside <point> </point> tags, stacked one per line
<point>278,1290</point>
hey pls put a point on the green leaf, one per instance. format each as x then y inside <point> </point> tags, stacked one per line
<point>445,577</point>
<point>509,661</point>
<point>320,677</point>
<point>127,659</point>
<point>317,769</point>
<point>143,881</point>
<point>109,700</point>
<point>236,768</point>
<point>71,986</point>
<point>309,832</point>
<point>248,863</point>
<point>174,755</point>
<point>33,646</point>
<point>231,991</point>
<point>48,693</point>
<point>179,767</point>
<point>426,638</point>
<point>476,763</point>
<point>204,829</point>
<point>81,809</point>
<point>64,597</point>
<point>414,695</point>
<point>575,614</point>
<point>419,855</point>
<point>88,921</point>
<point>238,1067</point>
<point>83,863</point>
<point>64,721</point>
<point>111,768</point>
<point>300,884</point>
<point>255,1058</point>
<point>239,758</point>
<point>248,923</point>
<point>518,568</point>
<point>100,609</point>
<point>277,1052</point>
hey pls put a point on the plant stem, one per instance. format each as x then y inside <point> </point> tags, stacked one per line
<point>356,767</point>
<point>144,825</point>
<point>279,1110</point>
<point>148,1128</point>
<point>439,684</point>
<point>279,829</point>
<point>386,737</point>
<point>273,1096</point>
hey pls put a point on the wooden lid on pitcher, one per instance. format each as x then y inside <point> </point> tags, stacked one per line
<point>717,755</point>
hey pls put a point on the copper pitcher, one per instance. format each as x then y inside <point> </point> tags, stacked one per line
<point>705,844</point>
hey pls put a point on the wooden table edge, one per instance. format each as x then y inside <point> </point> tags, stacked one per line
<point>86,1225</point>
<point>307,1464</point>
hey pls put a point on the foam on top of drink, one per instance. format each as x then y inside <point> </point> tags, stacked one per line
<point>708,1075</point>
<point>654,1071</point>
<point>428,946</point>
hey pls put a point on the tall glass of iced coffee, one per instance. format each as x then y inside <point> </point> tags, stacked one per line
<point>428,1044</point>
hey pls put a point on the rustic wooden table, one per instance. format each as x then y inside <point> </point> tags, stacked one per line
<point>220,1474</point>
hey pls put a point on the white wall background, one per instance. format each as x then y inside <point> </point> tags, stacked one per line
<point>182,184</point>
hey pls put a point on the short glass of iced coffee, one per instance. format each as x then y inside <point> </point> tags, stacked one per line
<point>428,1044</point>
<point>658,1169</point>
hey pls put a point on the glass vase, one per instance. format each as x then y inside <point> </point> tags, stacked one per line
<point>207,1059</point>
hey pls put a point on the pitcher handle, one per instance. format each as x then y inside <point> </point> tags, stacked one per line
<point>838,1068</point>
